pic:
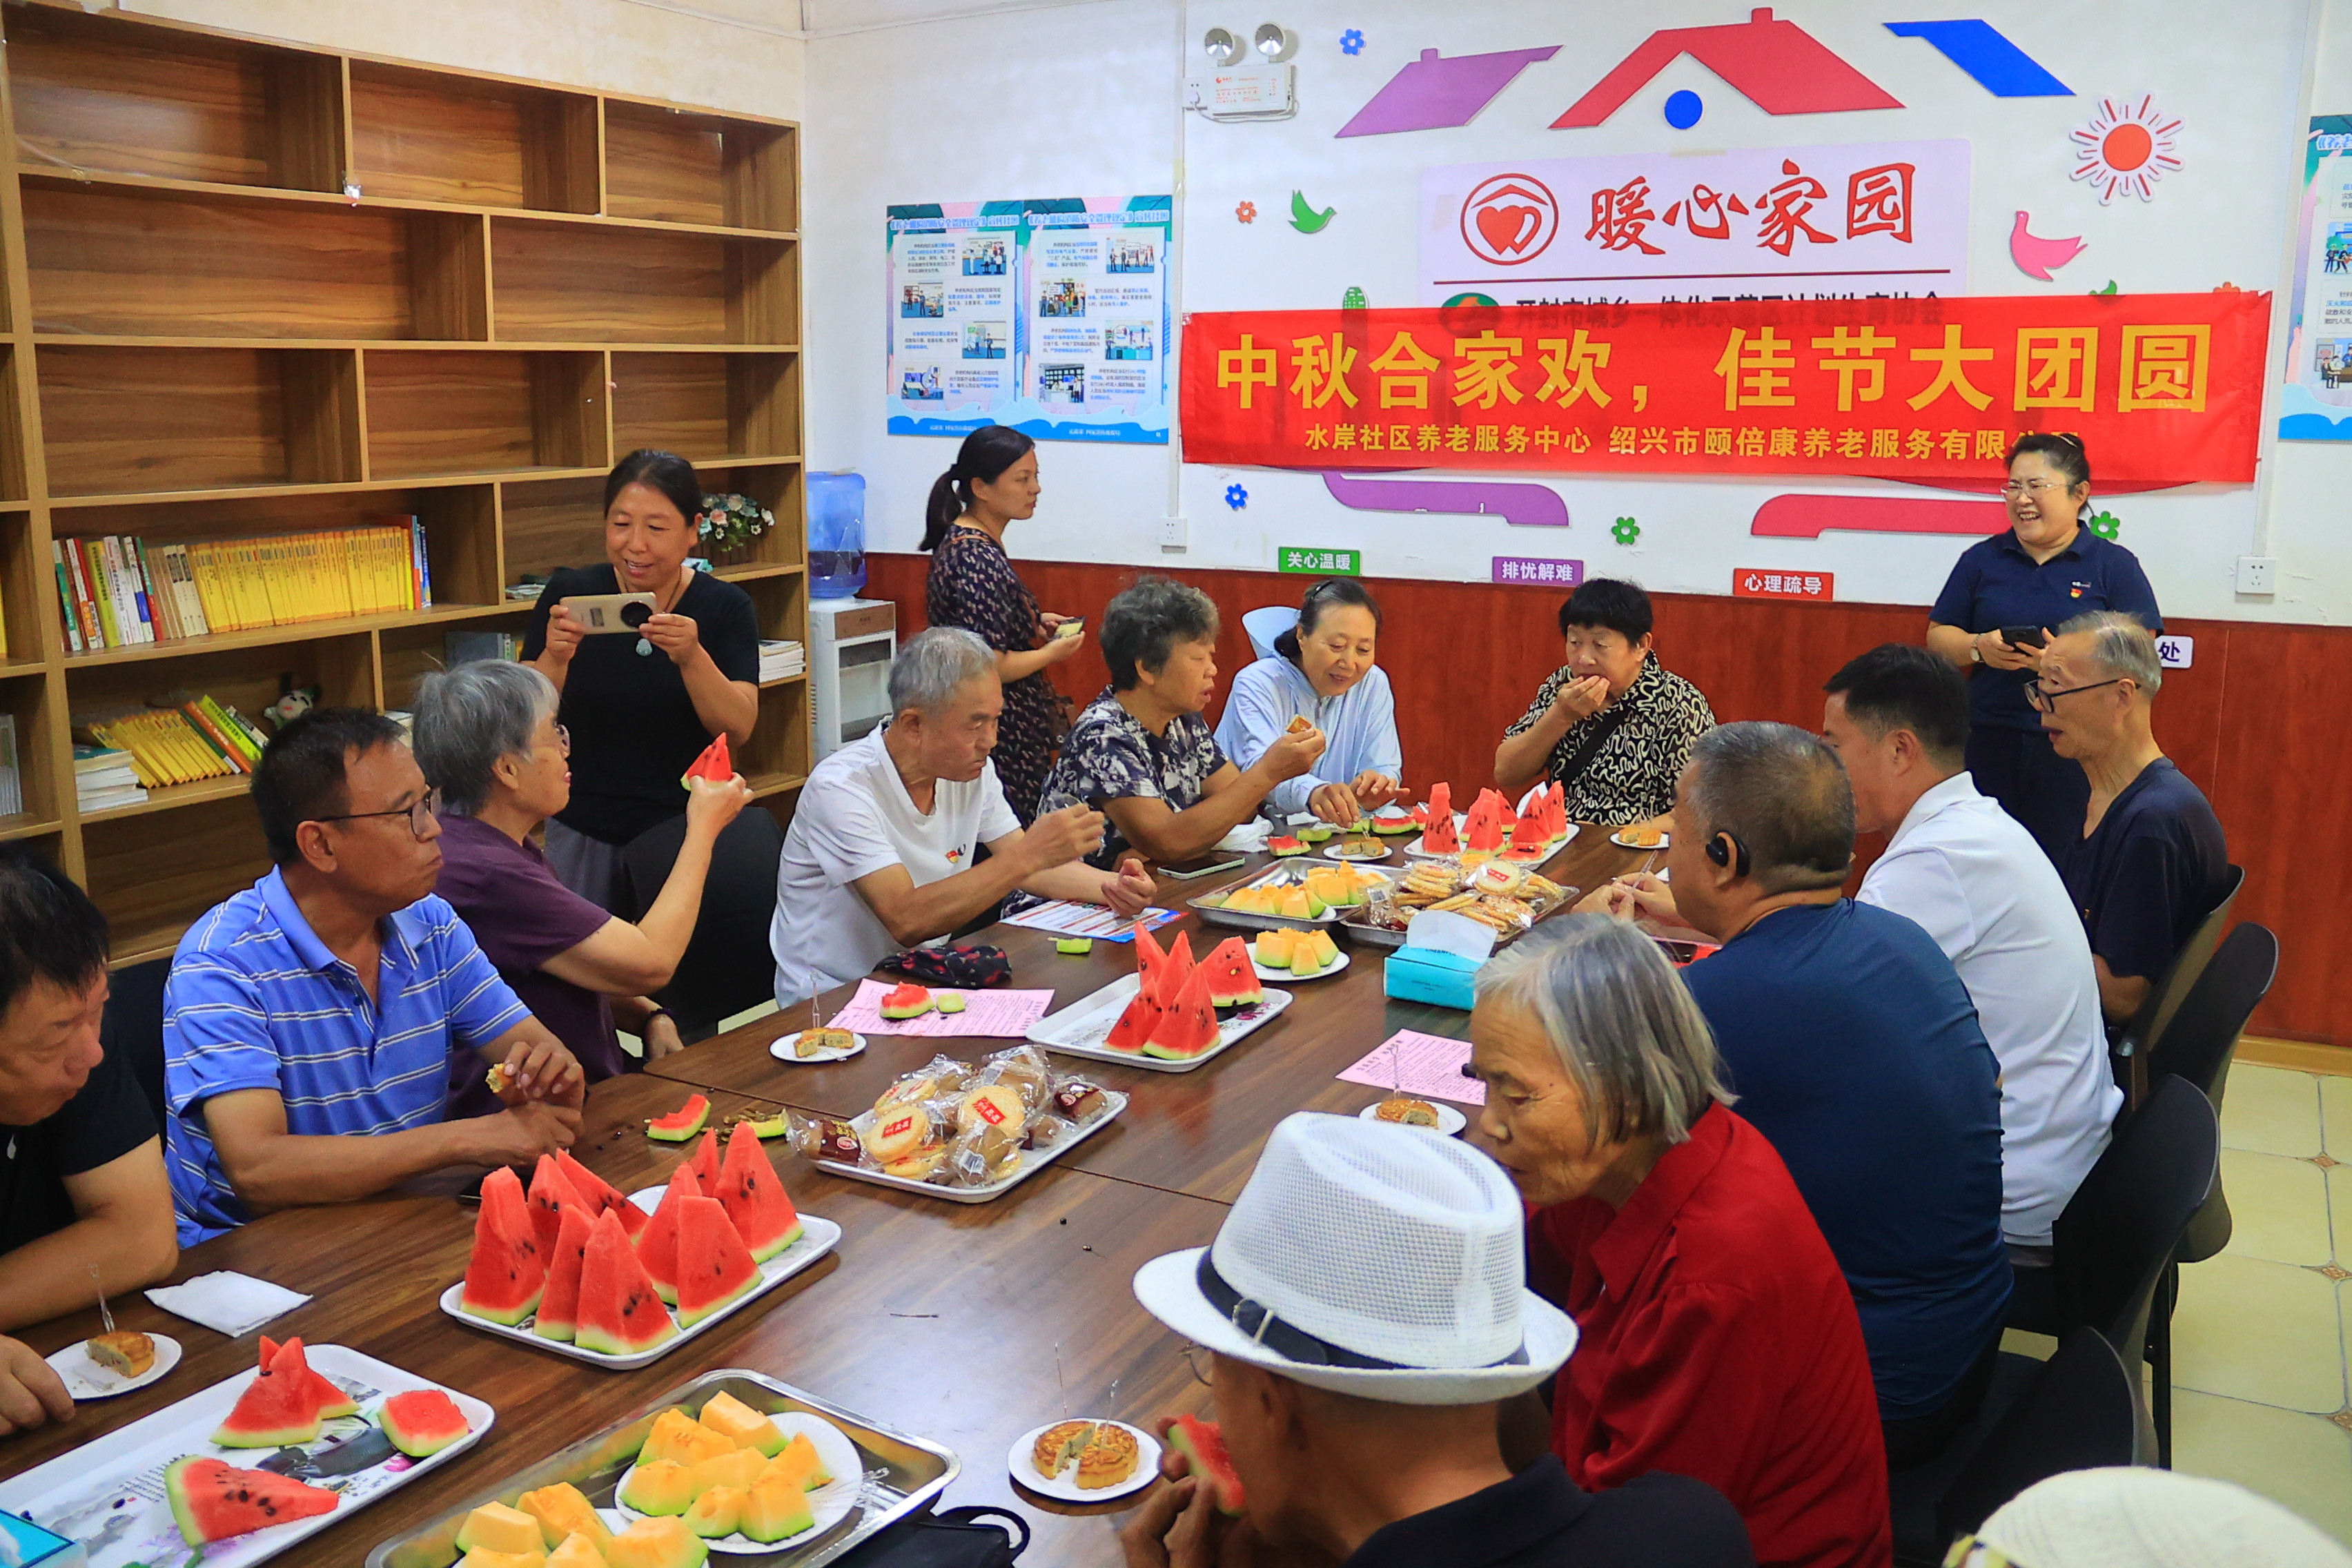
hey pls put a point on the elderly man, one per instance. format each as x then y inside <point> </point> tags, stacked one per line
<point>880,853</point>
<point>81,1166</point>
<point>1852,1046</point>
<point>1972,877</point>
<point>309,1021</point>
<point>1716,1339</point>
<point>1358,1319</point>
<point>2150,861</point>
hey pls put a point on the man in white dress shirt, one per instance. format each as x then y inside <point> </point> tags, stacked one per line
<point>1965,871</point>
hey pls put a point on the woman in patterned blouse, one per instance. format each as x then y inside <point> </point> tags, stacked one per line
<point>972,586</point>
<point>1610,724</point>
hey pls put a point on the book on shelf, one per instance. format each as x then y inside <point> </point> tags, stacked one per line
<point>779,660</point>
<point>465,648</point>
<point>103,777</point>
<point>12,780</point>
<point>176,740</point>
<point>120,591</point>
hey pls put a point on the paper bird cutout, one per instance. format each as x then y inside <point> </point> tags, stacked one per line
<point>1305,218</point>
<point>2039,258</point>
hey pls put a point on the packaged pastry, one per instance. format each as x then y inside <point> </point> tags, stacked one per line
<point>1077,1100</point>
<point>982,1154</point>
<point>824,1138</point>
<point>997,1105</point>
<point>1024,1069</point>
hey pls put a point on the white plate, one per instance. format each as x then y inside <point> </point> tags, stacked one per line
<point>818,1236</point>
<point>1337,850</point>
<point>1664,839</point>
<point>85,1379</point>
<point>1065,1486</point>
<point>782,1051</point>
<point>108,1493</point>
<point>1080,1028</point>
<point>830,1503</point>
<point>1032,1160</point>
<point>1449,1120</point>
<point>1284,976</point>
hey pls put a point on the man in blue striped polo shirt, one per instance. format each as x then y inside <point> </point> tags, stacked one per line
<point>309,1020</point>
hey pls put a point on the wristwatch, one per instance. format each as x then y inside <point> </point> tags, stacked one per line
<point>1976,647</point>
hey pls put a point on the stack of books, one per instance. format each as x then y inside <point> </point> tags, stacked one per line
<point>778,660</point>
<point>104,778</point>
<point>120,591</point>
<point>12,782</point>
<point>199,739</point>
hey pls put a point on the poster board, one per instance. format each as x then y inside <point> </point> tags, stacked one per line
<point>2316,404</point>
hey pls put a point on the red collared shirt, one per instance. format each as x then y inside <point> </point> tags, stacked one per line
<point>1718,1340</point>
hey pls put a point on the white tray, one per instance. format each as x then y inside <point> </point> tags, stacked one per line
<point>1031,1161</point>
<point>1080,1028</point>
<point>76,1494</point>
<point>818,1236</point>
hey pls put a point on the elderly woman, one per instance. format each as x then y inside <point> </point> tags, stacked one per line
<point>486,738</point>
<point>1611,725</point>
<point>1718,1339</point>
<point>1142,754</point>
<point>1322,671</point>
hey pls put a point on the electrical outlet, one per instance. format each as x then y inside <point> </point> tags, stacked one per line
<point>2257,574</point>
<point>1175,534</point>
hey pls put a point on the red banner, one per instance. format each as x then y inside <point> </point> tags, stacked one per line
<point>2164,389</point>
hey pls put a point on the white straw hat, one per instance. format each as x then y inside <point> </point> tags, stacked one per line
<point>1369,1259</point>
<point>2127,1518</point>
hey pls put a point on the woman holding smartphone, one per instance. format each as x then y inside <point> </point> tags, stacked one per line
<point>641,704</point>
<point>1998,608</point>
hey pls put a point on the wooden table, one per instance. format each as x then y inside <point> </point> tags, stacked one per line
<point>962,1323</point>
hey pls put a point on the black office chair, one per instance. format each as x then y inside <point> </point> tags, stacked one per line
<point>2145,1033</point>
<point>132,1025</point>
<point>728,966</point>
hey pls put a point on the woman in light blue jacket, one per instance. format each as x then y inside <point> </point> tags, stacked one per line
<point>1322,671</point>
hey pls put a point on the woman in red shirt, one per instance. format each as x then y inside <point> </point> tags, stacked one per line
<point>1717,1338</point>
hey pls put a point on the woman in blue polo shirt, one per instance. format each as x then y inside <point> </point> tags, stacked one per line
<point>2045,570</point>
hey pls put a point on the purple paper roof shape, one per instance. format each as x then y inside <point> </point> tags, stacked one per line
<point>1432,93</point>
<point>1783,69</point>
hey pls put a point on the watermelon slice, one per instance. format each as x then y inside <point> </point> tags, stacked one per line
<point>705,1162</point>
<point>776,1126</point>
<point>620,1313</point>
<point>1204,1447</point>
<point>212,1502</point>
<point>550,1195</point>
<point>1169,979</point>
<point>1232,979</point>
<point>332,1400</point>
<point>680,1124</point>
<point>907,1001</point>
<point>1438,835</point>
<point>1528,830</point>
<point>1149,955</point>
<point>423,1421</point>
<point>754,1196</point>
<point>1135,1026</point>
<point>1286,845</point>
<point>714,1266</point>
<point>278,1408</point>
<point>558,1308</point>
<point>508,1272</point>
<point>1484,829</point>
<point>658,1242</point>
<point>600,1195</point>
<point>713,764</point>
<point>1189,1027</point>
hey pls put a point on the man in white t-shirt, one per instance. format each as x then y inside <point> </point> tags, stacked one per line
<point>880,856</point>
<point>1975,880</point>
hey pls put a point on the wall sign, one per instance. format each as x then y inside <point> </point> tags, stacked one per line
<point>1320,562</point>
<point>1755,582</point>
<point>1523,569</point>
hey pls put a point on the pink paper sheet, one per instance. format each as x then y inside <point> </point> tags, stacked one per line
<point>1424,1066</point>
<point>1007,1013</point>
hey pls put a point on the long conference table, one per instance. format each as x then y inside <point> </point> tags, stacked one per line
<point>966,1325</point>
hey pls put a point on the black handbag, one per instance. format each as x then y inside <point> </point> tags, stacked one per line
<point>952,1538</point>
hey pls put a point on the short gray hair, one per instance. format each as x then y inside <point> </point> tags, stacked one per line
<point>2122,645</point>
<point>934,666</point>
<point>1783,793</point>
<point>469,717</point>
<point>1627,1031</point>
<point>1143,624</point>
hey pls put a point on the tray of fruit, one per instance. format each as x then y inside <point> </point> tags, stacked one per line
<point>1172,1015</point>
<point>240,1472</point>
<point>576,1267</point>
<point>865,1477</point>
<point>1500,893</point>
<point>1281,896</point>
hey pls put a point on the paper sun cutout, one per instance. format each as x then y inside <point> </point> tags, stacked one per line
<point>1351,42</point>
<point>1237,497</point>
<point>2127,148</point>
<point>1626,529</point>
<point>2036,257</point>
<point>1246,212</point>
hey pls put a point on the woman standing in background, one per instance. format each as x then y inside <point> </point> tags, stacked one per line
<point>972,586</point>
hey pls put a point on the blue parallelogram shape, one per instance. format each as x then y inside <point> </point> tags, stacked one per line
<point>1999,66</point>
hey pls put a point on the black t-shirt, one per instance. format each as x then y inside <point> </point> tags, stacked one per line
<point>2154,868</point>
<point>1540,1519</point>
<point>110,1118</point>
<point>634,728</point>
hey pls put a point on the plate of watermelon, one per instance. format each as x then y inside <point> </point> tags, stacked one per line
<point>169,1482</point>
<point>575,1268</point>
<point>1172,1015</point>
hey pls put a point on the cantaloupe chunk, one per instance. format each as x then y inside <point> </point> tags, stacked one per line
<point>1273,949</point>
<point>1326,952</point>
<point>777,1510</point>
<point>576,1551</point>
<point>718,1511</point>
<point>737,1467</point>
<point>495,1527</point>
<point>799,1464</point>
<point>658,1486</point>
<point>742,1425</point>
<point>563,1510</point>
<point>658,1543</point>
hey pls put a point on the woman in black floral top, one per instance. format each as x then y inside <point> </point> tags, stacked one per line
<point>1611,725</point>
<point>972,586</point>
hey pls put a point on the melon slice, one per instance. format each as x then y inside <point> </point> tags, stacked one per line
<point>714,1266</point>
<point>658,1242</point>
<point>599,1194</point>
<point>682,1123</point>
<point>716,1512</point>
<point>421,1421</point>
<point>907,1001</point>
<point>1231,982</point>
<point>1137,1022</point>
<point>777,1510</point>
<point>754,1195</point>
<point>563,1511</point>
<point>507,1271</point>
<point>714,764</point>
<point>551,1194</point>
<point>495,1527</point>
<point>620,1313</point>
<point>799,1462</point>
<point>1204,1447</point>
<point>332,1400</point>
<point>576,1551</point>
<point>1273,947</point>
<point>658,1543</point>
<point>741,1425</point>
<point>737,1467</point>
<point>678,1437</point>
<point>559,1307</point>
<point>212,1501</point>
<point>1188,1028</point>
<point>705,1161</point>
<point>657,1487</point>
<point>278,1408</point>
<point>1326,952</point>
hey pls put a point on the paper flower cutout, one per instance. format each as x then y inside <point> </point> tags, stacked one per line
<point>2106,524</point>
<point>1237,497</point>
<point>1246,212</point>
<point>1626,529</point>
<point>1351,42</point>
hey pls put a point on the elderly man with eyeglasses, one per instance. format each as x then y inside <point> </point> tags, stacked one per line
<point>2148,859</point>
<point>309,1020</point>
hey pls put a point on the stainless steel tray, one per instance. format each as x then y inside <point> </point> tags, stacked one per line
<point>1281,874</point>
<point>904,1474</point>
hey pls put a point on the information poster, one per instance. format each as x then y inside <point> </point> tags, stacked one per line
<point>1049,315</point>
<point>2316,402</point>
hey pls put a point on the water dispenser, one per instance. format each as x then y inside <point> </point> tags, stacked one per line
<point>836,534</point>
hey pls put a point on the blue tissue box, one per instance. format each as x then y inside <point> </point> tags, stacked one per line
<point>1427,974</point>
<point>38,1547</point>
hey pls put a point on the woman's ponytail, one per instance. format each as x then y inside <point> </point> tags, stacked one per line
<point>949,496</point>
<point>986,453</point>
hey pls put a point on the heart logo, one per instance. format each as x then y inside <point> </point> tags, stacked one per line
<point>1505,229</point>
<point>1507,220</point>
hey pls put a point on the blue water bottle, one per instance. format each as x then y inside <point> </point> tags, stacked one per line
<point>836,534</point>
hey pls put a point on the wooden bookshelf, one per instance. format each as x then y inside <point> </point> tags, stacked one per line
<point>249,287</point>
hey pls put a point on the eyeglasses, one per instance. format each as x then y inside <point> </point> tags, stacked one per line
<point>1200,1359</point>
<point>2016,487</point>
<point>420,815</point>
<point>562,740</point>
<point>2043,699</point>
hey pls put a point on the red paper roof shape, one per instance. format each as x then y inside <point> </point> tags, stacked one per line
<point>1783,69</point>
<point>1433,93</point>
